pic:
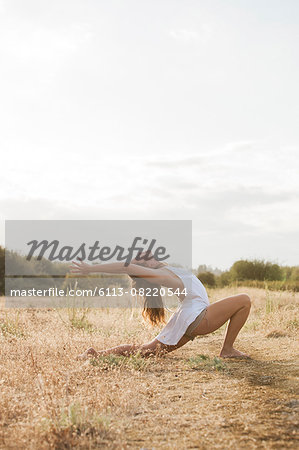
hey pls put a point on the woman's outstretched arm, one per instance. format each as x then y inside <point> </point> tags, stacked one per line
<point>156,276</point>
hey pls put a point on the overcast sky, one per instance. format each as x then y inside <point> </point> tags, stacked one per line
<point>155,110</point>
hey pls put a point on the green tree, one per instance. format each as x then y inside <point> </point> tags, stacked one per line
<point>273,272</point>
<point>224,279</point>
<point>295,274</point>
<point>255,270</point>
<point>207,278</point>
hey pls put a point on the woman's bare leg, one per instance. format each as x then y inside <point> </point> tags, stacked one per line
<point>236,310</point>
<point>151,348</point>
<point>120,350</point>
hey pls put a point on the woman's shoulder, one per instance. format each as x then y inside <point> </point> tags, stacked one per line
<point>179,270</point>
<point>192,284</point>
<point>182,273</point>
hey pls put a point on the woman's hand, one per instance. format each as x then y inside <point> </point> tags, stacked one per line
<point>81,268</point>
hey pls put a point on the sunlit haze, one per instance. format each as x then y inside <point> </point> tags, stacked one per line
<point>155,110</point>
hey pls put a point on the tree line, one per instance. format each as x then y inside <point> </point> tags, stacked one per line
<point>57,274</point>
<point>251,273</point>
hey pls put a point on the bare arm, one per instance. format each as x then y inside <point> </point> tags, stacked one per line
<point>156,276</point>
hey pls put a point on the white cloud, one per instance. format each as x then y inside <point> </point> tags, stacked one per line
<point>200,35</point>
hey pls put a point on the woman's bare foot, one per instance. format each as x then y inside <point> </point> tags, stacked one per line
<point>233,353</point>
<point>89,352</point>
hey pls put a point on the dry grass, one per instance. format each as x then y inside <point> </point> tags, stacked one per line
<point>187,399</point>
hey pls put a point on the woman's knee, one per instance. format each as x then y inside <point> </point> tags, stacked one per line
<point>246,300</point>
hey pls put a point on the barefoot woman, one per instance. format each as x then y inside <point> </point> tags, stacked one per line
<point>194,317</point>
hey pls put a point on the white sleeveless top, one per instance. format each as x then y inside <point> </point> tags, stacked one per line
<point>193,304</point>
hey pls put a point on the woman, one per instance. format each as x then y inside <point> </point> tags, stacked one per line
<point>194,317</point>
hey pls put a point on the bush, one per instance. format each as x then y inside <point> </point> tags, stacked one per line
<point>224,279</point>
<point>256,270</point>
<point>207,278</point>
<point>295,274</point>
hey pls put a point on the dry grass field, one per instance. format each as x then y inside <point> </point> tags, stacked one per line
<point>186,399</point>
